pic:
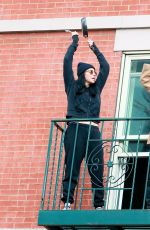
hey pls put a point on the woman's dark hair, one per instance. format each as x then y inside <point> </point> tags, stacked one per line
<point>80,86</point>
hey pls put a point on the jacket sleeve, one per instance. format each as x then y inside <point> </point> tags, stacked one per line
<point>67,65</point>
<point>104,67</point>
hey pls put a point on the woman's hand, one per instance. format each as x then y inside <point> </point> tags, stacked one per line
<point>74,33</point>
<point>90,43</point>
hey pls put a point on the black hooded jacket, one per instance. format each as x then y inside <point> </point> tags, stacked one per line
<point>83,102</point>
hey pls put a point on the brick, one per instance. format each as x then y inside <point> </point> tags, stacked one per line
<point>37,9</point>
<point>32,93</point>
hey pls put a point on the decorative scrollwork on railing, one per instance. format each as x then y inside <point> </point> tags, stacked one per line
<point>120,164</point>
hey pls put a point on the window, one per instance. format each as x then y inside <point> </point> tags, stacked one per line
<point>133,102</point>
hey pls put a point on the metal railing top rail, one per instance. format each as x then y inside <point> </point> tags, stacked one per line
<point>101,119</point>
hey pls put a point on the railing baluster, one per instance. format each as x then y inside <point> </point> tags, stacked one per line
<point>84,168</point>
<point>47,166</point>
<point>135,167</point>
<point>58,169</point>
<point>74,148</point>
<point>53,164</point>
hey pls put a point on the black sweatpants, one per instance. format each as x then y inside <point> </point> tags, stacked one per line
<point>94,161</point>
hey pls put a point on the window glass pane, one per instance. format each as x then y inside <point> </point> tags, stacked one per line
<point>134,146</point>
<point>138,102</point>
<point>137,65</point>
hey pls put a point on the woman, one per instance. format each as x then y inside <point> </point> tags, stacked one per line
<point>83,97</point>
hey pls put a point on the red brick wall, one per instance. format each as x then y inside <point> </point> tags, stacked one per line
<point>14,9</point>
<point>32,93</point>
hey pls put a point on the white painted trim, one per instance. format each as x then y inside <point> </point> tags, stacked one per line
<point>115,198</point>
<point>60,24</point>
<point>124,81</point>
<point>132,39</point>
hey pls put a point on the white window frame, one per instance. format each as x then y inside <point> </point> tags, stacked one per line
<point>112,201</point>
